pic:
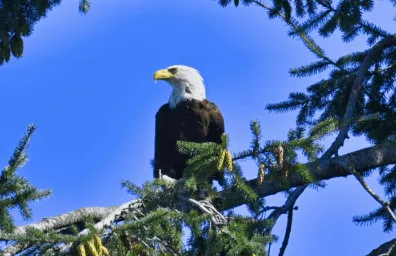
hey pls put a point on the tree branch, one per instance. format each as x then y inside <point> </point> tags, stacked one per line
<point>308,42</point>
<point>65,220</point>
<point>55,223</point>
<point>325,169</point>
<point>113,216</point>
<point>370,191</point>
<point>385,249</point>
<point>288,231</point>
<point>289,204</point>
<point>374,195</point>
<point>355,90</point>
<point>217,218</point>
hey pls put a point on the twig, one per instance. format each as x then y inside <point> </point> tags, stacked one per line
<point>370,191</point>
<point>217,218</point>
<point>287,233</point>
<point>289,204</point>
<point>303,36</point>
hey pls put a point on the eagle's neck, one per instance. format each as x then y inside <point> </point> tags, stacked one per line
<point>187,91</point>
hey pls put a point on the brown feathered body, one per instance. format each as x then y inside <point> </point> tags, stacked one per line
<point>190,120</point>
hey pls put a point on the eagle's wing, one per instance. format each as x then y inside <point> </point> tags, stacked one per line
<point>216,123</point>
<point>215,130</point>
<point>160,136</point>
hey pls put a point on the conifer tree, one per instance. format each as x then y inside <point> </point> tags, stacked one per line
<point>358,98</point>
<point>17,20</point>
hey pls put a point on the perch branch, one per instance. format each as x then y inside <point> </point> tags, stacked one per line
<point>323,169</point>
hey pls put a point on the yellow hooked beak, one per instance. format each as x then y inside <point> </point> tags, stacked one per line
<point>163,74</point>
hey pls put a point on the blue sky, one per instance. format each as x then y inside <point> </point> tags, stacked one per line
<point>87,83</point>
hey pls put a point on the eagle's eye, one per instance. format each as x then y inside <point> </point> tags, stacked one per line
<point>172,71</point>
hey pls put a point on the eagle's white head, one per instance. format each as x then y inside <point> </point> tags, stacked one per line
<point>187,83</point>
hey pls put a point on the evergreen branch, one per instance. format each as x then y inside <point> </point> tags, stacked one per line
<point>63,220</point>
<point>312,23</point>
<point>18,158</point>
<point>15,191</point>
<point>367,26</point>
<point>311,69</point>
<point>386,249</point>
<point>322,169</point>
<point>84,6</point>
<point>109,219</point>
<point>355,91</point>
<point>132,188</point>
<point>114,215</point>
<point>323,128</point>
<point>53,223</point>
<point>307,40</point>
<point>287,233</point>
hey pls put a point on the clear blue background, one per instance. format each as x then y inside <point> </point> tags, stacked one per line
<point>87,83</point>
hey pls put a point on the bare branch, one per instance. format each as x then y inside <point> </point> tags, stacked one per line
<point>370,191</point>
<point>288,231</point>
<point>289,204</point>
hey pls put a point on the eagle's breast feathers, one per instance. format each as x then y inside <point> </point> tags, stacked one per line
<point>191,120</point>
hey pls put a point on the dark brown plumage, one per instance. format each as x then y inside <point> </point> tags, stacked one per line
<point>191,120</point>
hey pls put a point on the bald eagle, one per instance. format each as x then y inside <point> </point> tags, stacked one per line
<point>188,116</point>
